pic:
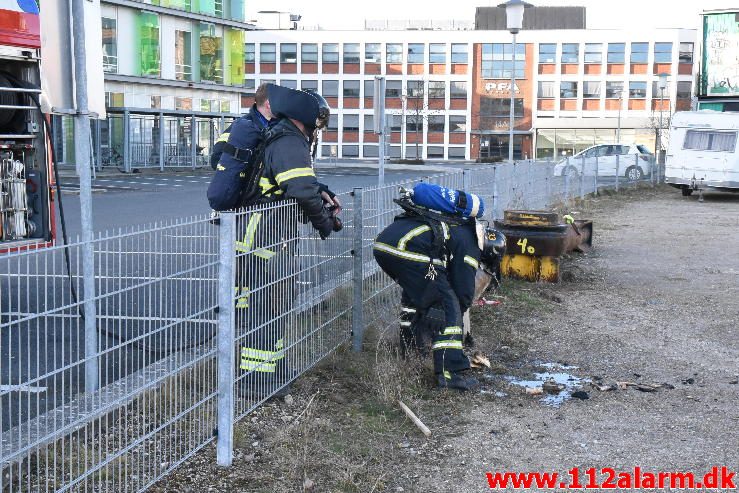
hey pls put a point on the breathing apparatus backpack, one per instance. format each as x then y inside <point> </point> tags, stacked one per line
<point>439,207</point>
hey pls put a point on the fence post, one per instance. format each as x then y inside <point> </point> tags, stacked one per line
<point>226,338</point>
<point>467,180</point>
<point>193,142</point>
<point>582,178</point>
<point>358,272</point>
<point>161,141</point>
<point>126,142</point>
<point>618,162</point>
<point>567,181</point>
<point>549,175</point>
<point>595,176</point>
<point>495,193</point>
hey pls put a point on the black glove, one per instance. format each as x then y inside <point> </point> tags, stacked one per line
<point>324,188</point>
<point>323,224</point>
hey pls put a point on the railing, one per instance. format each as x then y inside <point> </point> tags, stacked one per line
<point>192,325</point>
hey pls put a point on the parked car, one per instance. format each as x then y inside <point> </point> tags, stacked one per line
<point>633,161</point>
<point>703,151</point>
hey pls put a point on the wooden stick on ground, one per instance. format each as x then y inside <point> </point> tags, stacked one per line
<point>415,419</point>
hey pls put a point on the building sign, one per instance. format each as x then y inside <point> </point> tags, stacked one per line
<point>721,54</point>
<point>501,87</point>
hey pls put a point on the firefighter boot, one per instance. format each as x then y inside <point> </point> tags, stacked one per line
<point>456,380</point>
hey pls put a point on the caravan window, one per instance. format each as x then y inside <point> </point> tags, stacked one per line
<point>708,140</point>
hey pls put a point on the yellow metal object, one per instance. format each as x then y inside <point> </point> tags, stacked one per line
<point>530,268</point>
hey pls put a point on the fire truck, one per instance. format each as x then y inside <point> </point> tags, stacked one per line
<point>26,179</point>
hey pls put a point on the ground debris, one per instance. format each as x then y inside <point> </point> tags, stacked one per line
<point>645,387</point>
<point>479,360</point>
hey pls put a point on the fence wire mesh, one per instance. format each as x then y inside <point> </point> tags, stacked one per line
<point>196,324</point>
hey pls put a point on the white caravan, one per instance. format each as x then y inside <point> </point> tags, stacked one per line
<point>703,151</point>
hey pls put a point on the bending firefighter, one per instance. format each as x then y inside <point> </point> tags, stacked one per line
<point>434,257</point>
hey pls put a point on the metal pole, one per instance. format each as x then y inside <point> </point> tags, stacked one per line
<point>161,142</point>
<point>582,178</point>
<point>618,128</point>
<point>193,142</point>
<point>495,193</point>
<point>513,96</point>
<point>358,272</point>
<point>467,180</point>
<point>595,177</point>
<point>618,162</point>
<point>659,132</point>
<point>126,142</point>
<point>567,182</point>
<point>83,159</point>
<point>226,338</point>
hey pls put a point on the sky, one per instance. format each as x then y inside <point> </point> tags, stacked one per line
<point>601,14</point>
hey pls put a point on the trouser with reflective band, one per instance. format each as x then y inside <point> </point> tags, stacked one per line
<point>265,264</point>
<point>436,305</point>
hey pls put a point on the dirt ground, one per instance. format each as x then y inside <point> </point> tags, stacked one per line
<point>655,302</point>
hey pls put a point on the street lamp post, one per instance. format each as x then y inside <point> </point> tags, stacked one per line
<point>662,85</point>
<point>514,23</point>
<point>618,127</point>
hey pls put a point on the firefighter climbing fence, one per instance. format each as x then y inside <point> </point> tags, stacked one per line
<point>191,325</point>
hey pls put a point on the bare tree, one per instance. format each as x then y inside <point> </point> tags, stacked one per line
<point>417,109</point>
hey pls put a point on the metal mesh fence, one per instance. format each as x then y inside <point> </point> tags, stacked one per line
<point>194,324</point>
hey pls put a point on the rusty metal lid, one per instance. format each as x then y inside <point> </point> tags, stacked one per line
<point>531,218</point>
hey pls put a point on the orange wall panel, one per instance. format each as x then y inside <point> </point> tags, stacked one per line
<point>333,102</point>
<point>393,103</point>
<point>568,104</point>
<point>570,68</point>
<point>546,104</point>
<point>685,69</point>
<point>591,104</point>
<point>592,69</point>
<point>612,104</point>
<point>436,104</point>
<point>665,104</point>
<point>662,68</point>
<point>249,68</point>
<point>393,69</point>
<point>351,103</point>
<point>267,68</point>
<point>547,68</point>
<point>459,68</point>
<point>639,68</point>
<point>682,105</point>
<point>330,136</point>
<point>457,138</point>
<point>395,137</point>
<point>330,68</point>
<point>615,68</point>
<point>437,69</point>
<point>288,68</point>
<point>309,68</point>
<point>435,138</point>
<point>371,137</point>
<point>351,68</point>
<point>637,104</point>
<point>351,136</point>
<point>458,104</point>
<point>369,102</point>
<point>415,68</point>
<point>412,137</point>
<point>372,69</point>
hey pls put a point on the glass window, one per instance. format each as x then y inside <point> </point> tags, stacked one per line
<point>616,52</point>
<point>351,52</point>
<point>330,53</point>
<point>412,150</point>
<point>706,140</point>
<point>415,89</point>
<point>183,55</point>
<point>110,45</point>
<point>593,53</point>
<point>288,53</point>
<point>437,89</point>
<point>371,151</point>
<point>249,54</point>
<point>497,60</point>
<point>393,88</point>
<point>684,89</point>
<point>435,152</point>
<point>372,53</point>
<point>330,89</point>
<point>686,53</point>
<point>395,123</point>
<point>547,53</point>
<point>183,104</point>
<point>437,123</point>
<point>459,53</point>
<point>458,89</point>
<point>415,53</point>
<point>568,89</point>
<point>267,53</point>
<point>414,122</point>
<point>291,83</point>
<point>637,90</point>
<point>614,90</point>
<point>249,85</point>
<point>591,89</point>
<point>437,53</point>
<point>148,25</point>
<point>500,107</point>
<point>662,52</point>
<point>457,123</point>
<point>639,52</point>
<point>369,88</point>
<point>394,53</point>
<point>351,88</point>
<point>350,151</point>
<point>309,53</point>
<point>655,90</point>
<point>570,53</point>
<point>211,53</point>
<point>351,123</point>
<point>369,123</point>
<point>309,84</point>
<point>457,152</point>
<point>546,89</point>
<point>333,123</point>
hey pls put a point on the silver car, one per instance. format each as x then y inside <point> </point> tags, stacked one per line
<point>633,161</point>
